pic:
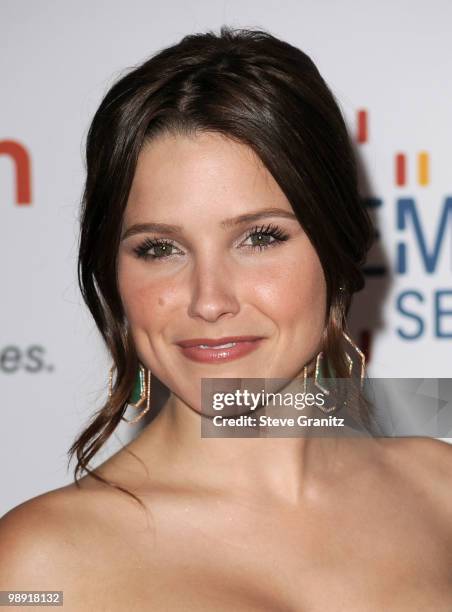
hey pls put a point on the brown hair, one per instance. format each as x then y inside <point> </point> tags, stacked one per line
<point>253,88</point>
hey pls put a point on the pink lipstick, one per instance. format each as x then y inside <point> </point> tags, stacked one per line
<point>214,350</point>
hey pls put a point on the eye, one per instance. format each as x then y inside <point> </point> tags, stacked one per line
<point>266,236</point>
<point>162,249</point>
<point>262,237</point>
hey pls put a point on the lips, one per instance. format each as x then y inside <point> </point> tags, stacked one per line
<point>237,346</point>
<point>216,341</point>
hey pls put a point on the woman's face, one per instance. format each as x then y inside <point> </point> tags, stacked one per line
<point>211,248</point>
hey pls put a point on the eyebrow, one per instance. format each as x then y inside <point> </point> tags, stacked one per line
<point>140,228</point>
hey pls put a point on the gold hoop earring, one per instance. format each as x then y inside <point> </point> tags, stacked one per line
<point>142,389</point>
<point>304,378</point>
<point>351,364</point>
<point>323,389</point>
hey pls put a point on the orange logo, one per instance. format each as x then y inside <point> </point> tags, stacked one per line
<point>22,169</point>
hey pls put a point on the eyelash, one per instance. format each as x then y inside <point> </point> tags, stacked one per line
<point>141,251</point>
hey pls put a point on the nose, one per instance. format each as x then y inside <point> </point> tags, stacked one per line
<point>213,290</point>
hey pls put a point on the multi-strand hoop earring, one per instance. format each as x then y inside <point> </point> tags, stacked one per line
<point>141,393</point>
<point>351,364</point>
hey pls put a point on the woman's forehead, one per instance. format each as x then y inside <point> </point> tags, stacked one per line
<point>179,175</point>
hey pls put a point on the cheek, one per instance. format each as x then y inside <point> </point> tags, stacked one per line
<point>294,292</point>
<point>143,300</point>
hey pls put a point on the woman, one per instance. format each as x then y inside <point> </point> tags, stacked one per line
<point>221,208</point>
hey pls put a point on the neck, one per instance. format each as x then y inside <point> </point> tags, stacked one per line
<point>285,469</point>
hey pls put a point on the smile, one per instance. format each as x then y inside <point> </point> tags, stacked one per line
<point>204,353</point>
<point>228,345</point>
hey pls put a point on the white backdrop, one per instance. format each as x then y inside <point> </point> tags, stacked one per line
<point>391,61</point>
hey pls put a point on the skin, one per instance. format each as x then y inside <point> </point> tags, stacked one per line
<point>294,524</point>
<point>214,284</point>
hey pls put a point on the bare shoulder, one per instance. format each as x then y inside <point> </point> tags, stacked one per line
<point>45,544</point>
<point>430,456</point>
<point>427,464</point>
<point>38,517</point>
